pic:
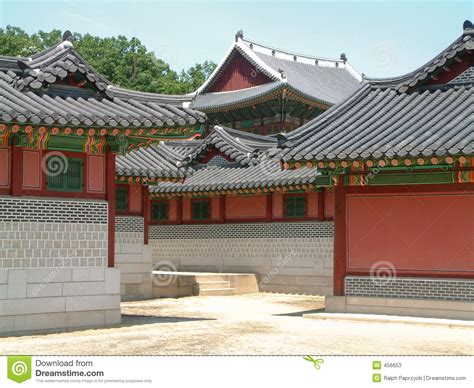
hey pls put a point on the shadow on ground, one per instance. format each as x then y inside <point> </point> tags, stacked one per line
<point>133,319</point>
<point>299,313</point>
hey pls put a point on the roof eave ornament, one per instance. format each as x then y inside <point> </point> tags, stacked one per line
<point>68,36</point>
<point>239,35</point>
<point>468,27</point>
<point>282,140</point>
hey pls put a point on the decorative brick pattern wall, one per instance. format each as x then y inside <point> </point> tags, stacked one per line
<point>49,211</point>
<point>129,230</point>
<point>411,288</point>
<point>52,233</point>
<point>254,230</point>
<point>289,257</point>
<point>219,161</point>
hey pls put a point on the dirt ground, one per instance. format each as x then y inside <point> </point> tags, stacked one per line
<point>265,324</point>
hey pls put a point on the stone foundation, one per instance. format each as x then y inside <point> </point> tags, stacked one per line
<point>58,298</point>
<point>403,307</point>
<point>53,257</point>
<point>411,288</point>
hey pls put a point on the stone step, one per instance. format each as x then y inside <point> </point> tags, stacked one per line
<point>211,285</point>
<point>217,292</point>
<point>211,278</point>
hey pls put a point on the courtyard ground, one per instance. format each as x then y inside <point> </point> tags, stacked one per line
<point>266,324</point>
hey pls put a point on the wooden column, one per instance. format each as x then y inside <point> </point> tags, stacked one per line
<point>222,209</point>
<point>269,207</point>
<point>110,174</point>
<point>146,213</point>
<point>339,237</point>
<point>321,205</point>
<point>17,171</point>
<point>179,210</point>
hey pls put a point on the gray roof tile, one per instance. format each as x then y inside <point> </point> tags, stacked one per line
<point>28,93</point>
<point>386,118</point>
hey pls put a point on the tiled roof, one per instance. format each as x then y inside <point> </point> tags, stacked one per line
<point>410,80</point>
<point>256,164</point>
<point>384,118</point>
<point>267,173</point>
<point>327,81</point>
<point>209,101</point>
<point>29,93</point>
<point>241,147</point>
<point>154,161</point>
<point>329,84</point>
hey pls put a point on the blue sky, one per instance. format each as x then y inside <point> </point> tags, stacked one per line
<point>380,38</point>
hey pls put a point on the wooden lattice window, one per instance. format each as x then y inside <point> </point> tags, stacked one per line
<point>159,211</point>
<point>200,209</point>
<point>121,199</point>
<point>295,206</point>
<point>68,180</point>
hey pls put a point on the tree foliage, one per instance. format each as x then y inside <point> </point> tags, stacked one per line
<point>125,62</point>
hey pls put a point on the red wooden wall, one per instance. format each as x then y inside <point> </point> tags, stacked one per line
<point>238,74</point>
<point>429,232</point>
<point>23,172</point>
<point>257,208</point>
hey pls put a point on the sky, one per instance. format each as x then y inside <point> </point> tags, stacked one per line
<point>380,38</point>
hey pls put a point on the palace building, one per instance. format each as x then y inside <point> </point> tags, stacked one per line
<point>370,203</point>
<point>264,90</point>
<point>61,125</point>
<point>401,152</point>
<point>367,199</point>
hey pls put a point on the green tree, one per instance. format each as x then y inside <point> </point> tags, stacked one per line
<point>125,62</point>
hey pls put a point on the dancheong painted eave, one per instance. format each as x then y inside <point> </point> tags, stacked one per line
<point>58,91</point>
<point>431,121</point>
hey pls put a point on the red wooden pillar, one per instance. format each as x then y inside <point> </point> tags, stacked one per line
<point>146,213</point>
<point>222,208</point>
<point>110,161</point>
<point>321,205</point>
<point>339,237</point>
<point>17,171</point>
<point>269,207</point>
<point>179,210</point>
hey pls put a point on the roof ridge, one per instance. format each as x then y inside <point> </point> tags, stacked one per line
<point>276,49</point>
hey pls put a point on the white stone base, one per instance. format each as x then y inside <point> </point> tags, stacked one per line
<point>401,307</point>
<point>50,299</point>
<point>135,263</point>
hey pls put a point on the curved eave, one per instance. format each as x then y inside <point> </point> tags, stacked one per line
<point>266,95</point>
